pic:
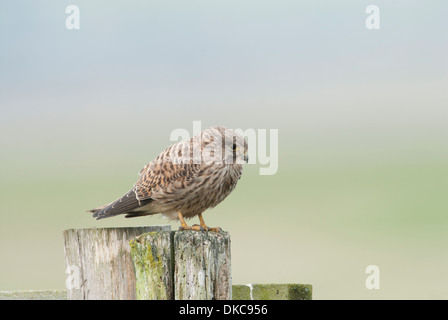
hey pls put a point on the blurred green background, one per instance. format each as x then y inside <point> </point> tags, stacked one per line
<point>361,114</point>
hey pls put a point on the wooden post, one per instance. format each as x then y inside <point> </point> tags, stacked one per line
<point>152,256</point>
<point>202,266</point>
<point>272,291</point>
<point>99,264</point>
<point>183,265</point>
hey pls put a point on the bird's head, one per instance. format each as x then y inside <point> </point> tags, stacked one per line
<point>224,145</point>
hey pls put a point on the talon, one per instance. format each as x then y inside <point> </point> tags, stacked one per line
<point>207,228</point>
<point>199,227</point>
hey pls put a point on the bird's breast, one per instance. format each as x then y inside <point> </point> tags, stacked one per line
<point>194,195</point>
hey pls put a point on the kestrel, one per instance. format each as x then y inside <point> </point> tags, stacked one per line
<point>186,179</point>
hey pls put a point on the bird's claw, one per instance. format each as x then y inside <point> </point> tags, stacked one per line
<point>213,229</point>
<point>197,227</point>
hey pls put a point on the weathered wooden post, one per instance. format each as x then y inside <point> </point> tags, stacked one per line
<point>99,264</point>
<point>147,263</point>
<point>153,263</point>
<point>272,291</point>
<point>200,265</point>
<point>202,269</point>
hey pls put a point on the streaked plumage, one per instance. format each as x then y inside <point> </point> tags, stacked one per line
<point>186,179</point>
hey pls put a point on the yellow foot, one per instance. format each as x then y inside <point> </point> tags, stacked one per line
<point>204,227</point>
<point>197,227</point>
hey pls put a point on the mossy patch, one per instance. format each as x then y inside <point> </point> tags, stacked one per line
<point>151,256</point>
<point>272,292</point>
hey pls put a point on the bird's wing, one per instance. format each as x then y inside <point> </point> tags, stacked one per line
<point>160,177</point>
<point>176,164</point>
<point>126,203</point>
<point>156,177</point>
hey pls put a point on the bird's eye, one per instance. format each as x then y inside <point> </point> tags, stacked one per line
<point>234,147</point>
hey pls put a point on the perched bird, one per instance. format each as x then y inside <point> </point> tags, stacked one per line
<point>186,179</point>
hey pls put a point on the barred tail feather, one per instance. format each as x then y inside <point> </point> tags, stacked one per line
<point>125,204</point>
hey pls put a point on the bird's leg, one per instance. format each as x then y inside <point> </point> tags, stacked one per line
<point>201,227</point>
<point>204,226</point>
<point>184,226</point>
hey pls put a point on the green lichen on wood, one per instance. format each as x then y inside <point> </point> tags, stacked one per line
<point>272,292</point>
<point>151,254</point>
